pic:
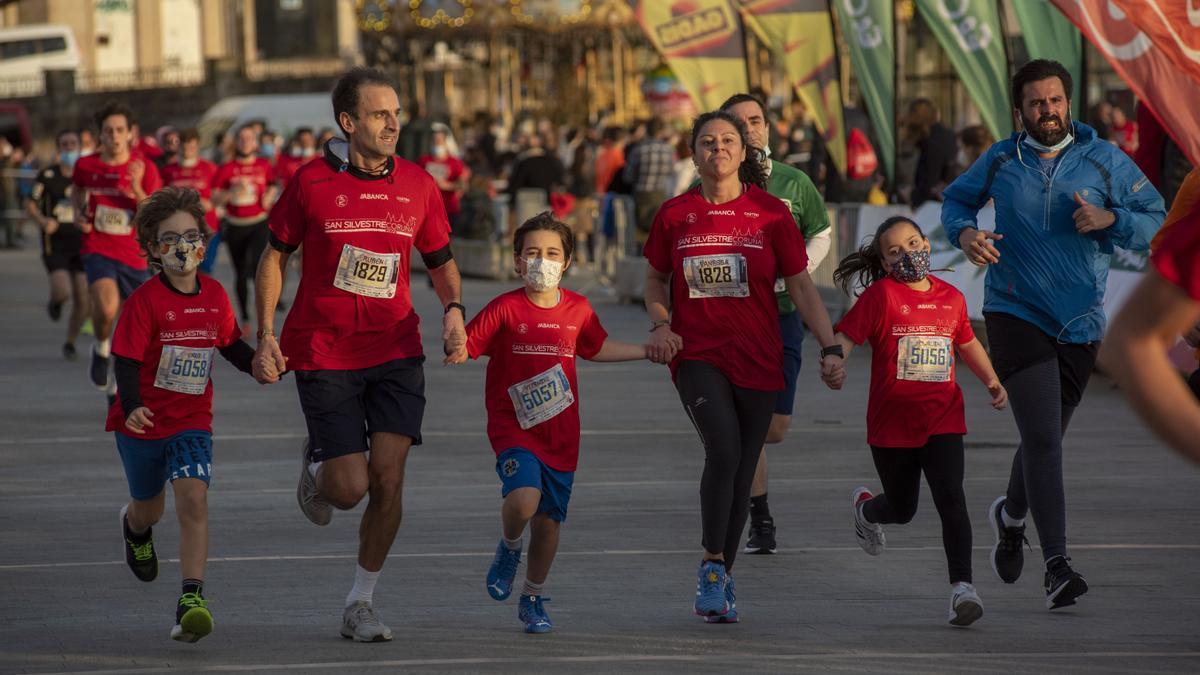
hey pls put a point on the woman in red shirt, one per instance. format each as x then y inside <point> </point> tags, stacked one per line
<point>915,419</point>
<point>718,248</point>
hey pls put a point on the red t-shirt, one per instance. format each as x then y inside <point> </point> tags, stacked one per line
<point>198,177</point>
<point>247,182</point>
<point>286,166</point>
<point>445,169</point>
<point>916,331</point>
<point>1178,258</point>
<point>111,206</point>
<point>176,388</point>
<point>724,259</point>
<point>342,317</point>
<point>532,350</point>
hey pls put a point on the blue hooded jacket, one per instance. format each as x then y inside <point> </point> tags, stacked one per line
<point>1049,274</point>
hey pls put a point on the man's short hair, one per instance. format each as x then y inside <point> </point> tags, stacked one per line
<point>745,98</point>
<point>114,108</point>
<point>1036,70</point>
<point>346,95</point>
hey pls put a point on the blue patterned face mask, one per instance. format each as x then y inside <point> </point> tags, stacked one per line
<point>912,267</point>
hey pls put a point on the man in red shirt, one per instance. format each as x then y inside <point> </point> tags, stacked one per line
<point>1164,305</point>
<point>109,186</point>
<point>192,171</point>
<point>301,150</point>
<point>352,336</point>
<point>448,171</point>
<point>245,186</point>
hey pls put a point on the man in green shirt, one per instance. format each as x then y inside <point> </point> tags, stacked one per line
<point>796,190</point>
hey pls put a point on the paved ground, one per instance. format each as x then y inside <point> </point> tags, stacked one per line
<point>623,583</point>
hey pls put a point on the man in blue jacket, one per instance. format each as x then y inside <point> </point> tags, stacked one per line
<point>1064,198</point>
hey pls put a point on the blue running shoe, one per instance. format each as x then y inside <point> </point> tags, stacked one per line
<point>711,580</point>
<point>501,573</point>
<point>730,616</point>
<point>533,614</point>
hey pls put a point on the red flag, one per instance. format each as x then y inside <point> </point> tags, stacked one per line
<point>1173,27</point>
<point>1154,71</point>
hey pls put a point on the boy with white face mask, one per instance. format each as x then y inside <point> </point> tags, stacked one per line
<point>532,336</point>
<point>164,345</point>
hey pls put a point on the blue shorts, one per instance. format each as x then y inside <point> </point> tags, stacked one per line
<point>519,468</point>
<point>99,267</point>
<point>792,328</point>
<point>149,464</point>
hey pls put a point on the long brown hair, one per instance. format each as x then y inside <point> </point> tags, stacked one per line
<point>865,266</point>
<point>751,169</point>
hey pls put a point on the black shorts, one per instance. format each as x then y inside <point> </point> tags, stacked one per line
<point>63,261</point>
<point>1017,344</point>
<point>343,407</point>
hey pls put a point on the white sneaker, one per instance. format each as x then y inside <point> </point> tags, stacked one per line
<point>870,535</point>
<point>360,624</point>
<point>314,508</point>
<point>965,605</point>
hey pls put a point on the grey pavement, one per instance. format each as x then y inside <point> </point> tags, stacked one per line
<point>623,583</point>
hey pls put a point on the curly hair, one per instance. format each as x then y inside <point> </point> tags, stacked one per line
<point>751,169</point>
<point>163,204</point>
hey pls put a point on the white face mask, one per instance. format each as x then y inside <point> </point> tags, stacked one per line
<point>182,257</point>
<point>1033,143</point>
<point>542,274</point>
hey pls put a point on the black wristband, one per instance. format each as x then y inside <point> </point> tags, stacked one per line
<point>456,305</point>
<point>833,350</point>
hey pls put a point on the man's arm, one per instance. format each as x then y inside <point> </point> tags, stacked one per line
<point>447,283</point>
<point>1136,205</point>
<point>1135,352</point>
<point>269,362</point>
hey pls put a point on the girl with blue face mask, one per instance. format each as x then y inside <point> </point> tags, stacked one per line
<point>916,323</point>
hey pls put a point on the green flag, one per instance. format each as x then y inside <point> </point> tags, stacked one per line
<point>867,30</point>
<point>970,32</point>
<point>1050,35</point>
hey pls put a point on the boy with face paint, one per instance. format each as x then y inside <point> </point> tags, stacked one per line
<point>162,419</point>
<point>532,336</point>
<point>915,422</point>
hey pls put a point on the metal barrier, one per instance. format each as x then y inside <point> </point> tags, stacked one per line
<point>141,78</point>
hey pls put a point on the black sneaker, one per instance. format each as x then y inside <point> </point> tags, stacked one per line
<point>141,558</point>
<point>762,536</point>
<point>54,309</point>
<point>69,353</point>
<point>1063,584</point>
<point>99,370</point>
<point>1008,558</point>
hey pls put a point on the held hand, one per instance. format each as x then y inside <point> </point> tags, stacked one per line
<point>999,395</point>
<point>139,419</point>
<point>1091,218</point>
<point>977,245</point>
<point>269,362</point>
<point>454,336</point>
<point>456,358</point>
<point>833,372</point>
<point>664,345</point>
<point>51,226</point>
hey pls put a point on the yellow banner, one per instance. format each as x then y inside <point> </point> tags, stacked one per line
<point>800,33</point>
<point>702,42</point>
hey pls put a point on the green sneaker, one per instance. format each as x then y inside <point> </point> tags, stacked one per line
<point>141,558</point>
<point>192,618</point>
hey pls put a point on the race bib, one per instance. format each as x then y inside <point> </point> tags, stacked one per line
<point>366,273</point>
<point>183,369</point>
<point>244,194</point>
<point>716,276</point>
<point>64,212</point>
<point>111,220</point>
<point>541,397</point>
<point>925,358</point>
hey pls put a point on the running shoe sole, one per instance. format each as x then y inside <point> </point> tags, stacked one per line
<point>966,613</point>
<point>1065,595</point>
<point>195,624</point>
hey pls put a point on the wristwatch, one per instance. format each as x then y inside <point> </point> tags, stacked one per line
<point>264,331</point>
<point>655,325</point>
<point>833,350</point>
<point>456,305</point>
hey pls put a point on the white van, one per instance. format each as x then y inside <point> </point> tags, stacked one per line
<point>27,51</point>
<point>281,113</point>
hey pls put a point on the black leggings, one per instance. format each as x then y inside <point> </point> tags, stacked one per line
<point>900,473</point>
<point>732,423</point>
<point>246,244</point>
